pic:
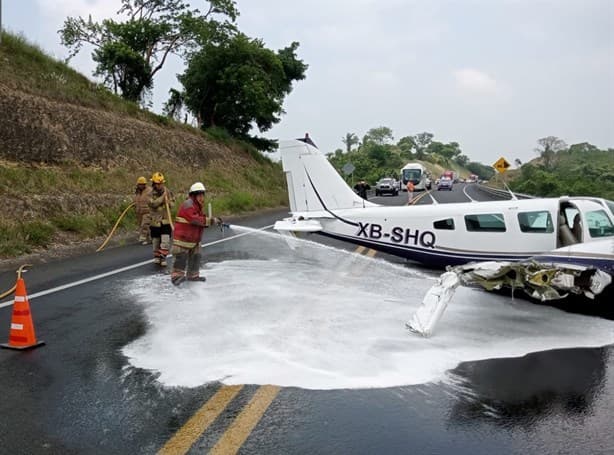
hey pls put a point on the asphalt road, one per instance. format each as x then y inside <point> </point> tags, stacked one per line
<point>77,394</point>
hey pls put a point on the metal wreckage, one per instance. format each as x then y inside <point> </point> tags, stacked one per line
<point>539,280</point>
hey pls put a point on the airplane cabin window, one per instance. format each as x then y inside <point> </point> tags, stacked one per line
<point>444,224</point>
<point>539,221</point>
<point>485,222</point>
<point>599,225</point>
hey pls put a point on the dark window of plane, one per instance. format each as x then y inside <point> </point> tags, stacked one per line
<point>485,222</point>
<point>444,224</point>
<point>540,221</point>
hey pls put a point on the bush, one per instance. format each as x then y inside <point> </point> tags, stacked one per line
<point>37,233</point>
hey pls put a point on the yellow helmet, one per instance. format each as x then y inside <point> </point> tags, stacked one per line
<point>157,177</point>
<point>141,181</point>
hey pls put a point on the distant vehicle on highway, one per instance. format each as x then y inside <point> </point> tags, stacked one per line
<point>416,173</point>
<point>472,178</point>
<point>429,183</point>
<point>445,183</point>
<point>452,175</point>
<point>387,186</point>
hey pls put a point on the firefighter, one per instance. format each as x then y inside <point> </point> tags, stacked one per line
<point>159,212</point>
<point>189,225</point>
<point>142,194</point>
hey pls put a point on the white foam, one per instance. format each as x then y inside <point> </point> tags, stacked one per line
<point>322,318</point>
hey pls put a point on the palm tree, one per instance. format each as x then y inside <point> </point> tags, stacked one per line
<point>349,140</point>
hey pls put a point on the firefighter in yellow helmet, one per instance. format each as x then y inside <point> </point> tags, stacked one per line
<point>159,212</point>
<point>142,194</point>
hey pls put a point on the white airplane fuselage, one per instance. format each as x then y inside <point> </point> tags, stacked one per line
<point>442,234</point>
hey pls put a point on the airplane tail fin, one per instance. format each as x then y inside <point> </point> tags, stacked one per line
<point>313,183</point>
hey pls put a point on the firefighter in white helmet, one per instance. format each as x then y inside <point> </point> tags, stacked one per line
<point>189,225</point>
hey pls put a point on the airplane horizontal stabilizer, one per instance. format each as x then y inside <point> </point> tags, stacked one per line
<point>298,225</point>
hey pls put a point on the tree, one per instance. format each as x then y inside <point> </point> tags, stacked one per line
<point>173,107</point>
<point>349,140</point>
<point>239,83</point>
<point>549,146</point>
<point>380,135</point>
<point>462,160</point>
<point>128,54</point>
<point>406,144</point>
<point>422,141</point>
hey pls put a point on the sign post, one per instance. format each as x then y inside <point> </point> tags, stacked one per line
<point>348,169</point>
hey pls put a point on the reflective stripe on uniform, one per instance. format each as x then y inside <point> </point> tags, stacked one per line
<point>184,244</point>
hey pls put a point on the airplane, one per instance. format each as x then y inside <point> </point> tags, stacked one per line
<point>442,235</point>
<point>529,244</point>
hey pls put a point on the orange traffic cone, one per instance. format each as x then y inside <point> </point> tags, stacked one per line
<point>22,334</point>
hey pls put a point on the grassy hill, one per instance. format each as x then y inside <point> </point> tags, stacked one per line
<point>71,151</point>
<point>581,170</point>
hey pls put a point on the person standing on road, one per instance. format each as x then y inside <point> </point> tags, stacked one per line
<point>361,188</point>
<point>159,211</point>
<point>142,194</point>
<point>410,192</point>
<point>189,225</point>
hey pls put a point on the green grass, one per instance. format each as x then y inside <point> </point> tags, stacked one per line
<point>21,238</point>
<point>69,200</point>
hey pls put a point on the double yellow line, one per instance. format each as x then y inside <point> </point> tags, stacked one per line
<point>236,434</point>
<point>369,252</point>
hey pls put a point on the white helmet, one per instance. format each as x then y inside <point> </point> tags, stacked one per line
<point>198,187</point>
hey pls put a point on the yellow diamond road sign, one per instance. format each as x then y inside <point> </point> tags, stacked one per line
<point>501,165</point>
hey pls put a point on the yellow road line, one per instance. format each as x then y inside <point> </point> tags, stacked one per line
<point>360,249</point>
<point>371,253</point>
<point>234,437</point>
<point>181,442</point>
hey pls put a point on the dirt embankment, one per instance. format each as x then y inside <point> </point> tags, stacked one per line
<point>40,133</point>
<point>41,130</point>
<point>61,163</point>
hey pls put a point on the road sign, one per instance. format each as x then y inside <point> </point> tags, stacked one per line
<point>348,168</point>
<point>501,165</point>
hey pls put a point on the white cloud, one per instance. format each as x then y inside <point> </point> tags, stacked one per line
<point>99,9</point>
<point>475,81</point>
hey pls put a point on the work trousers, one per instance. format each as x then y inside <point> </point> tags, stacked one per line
<point>161,242</point>
<point>144,220</point>
<point>186,258</point>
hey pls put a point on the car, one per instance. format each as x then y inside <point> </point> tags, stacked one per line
<point>445,183</point>
<point>387,186</point>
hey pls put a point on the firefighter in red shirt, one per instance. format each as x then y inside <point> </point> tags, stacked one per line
<point>189,225</point>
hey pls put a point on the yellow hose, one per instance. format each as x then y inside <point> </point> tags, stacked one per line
<point>168,211</point>
<point>10,291</point>
<point>114,227</point>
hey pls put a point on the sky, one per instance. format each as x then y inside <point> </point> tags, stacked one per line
<point>492,75</point>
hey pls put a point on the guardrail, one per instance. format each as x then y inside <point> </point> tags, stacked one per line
<point>502,194</point>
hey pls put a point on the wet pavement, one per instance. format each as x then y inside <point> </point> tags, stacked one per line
<point>130,360</point>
